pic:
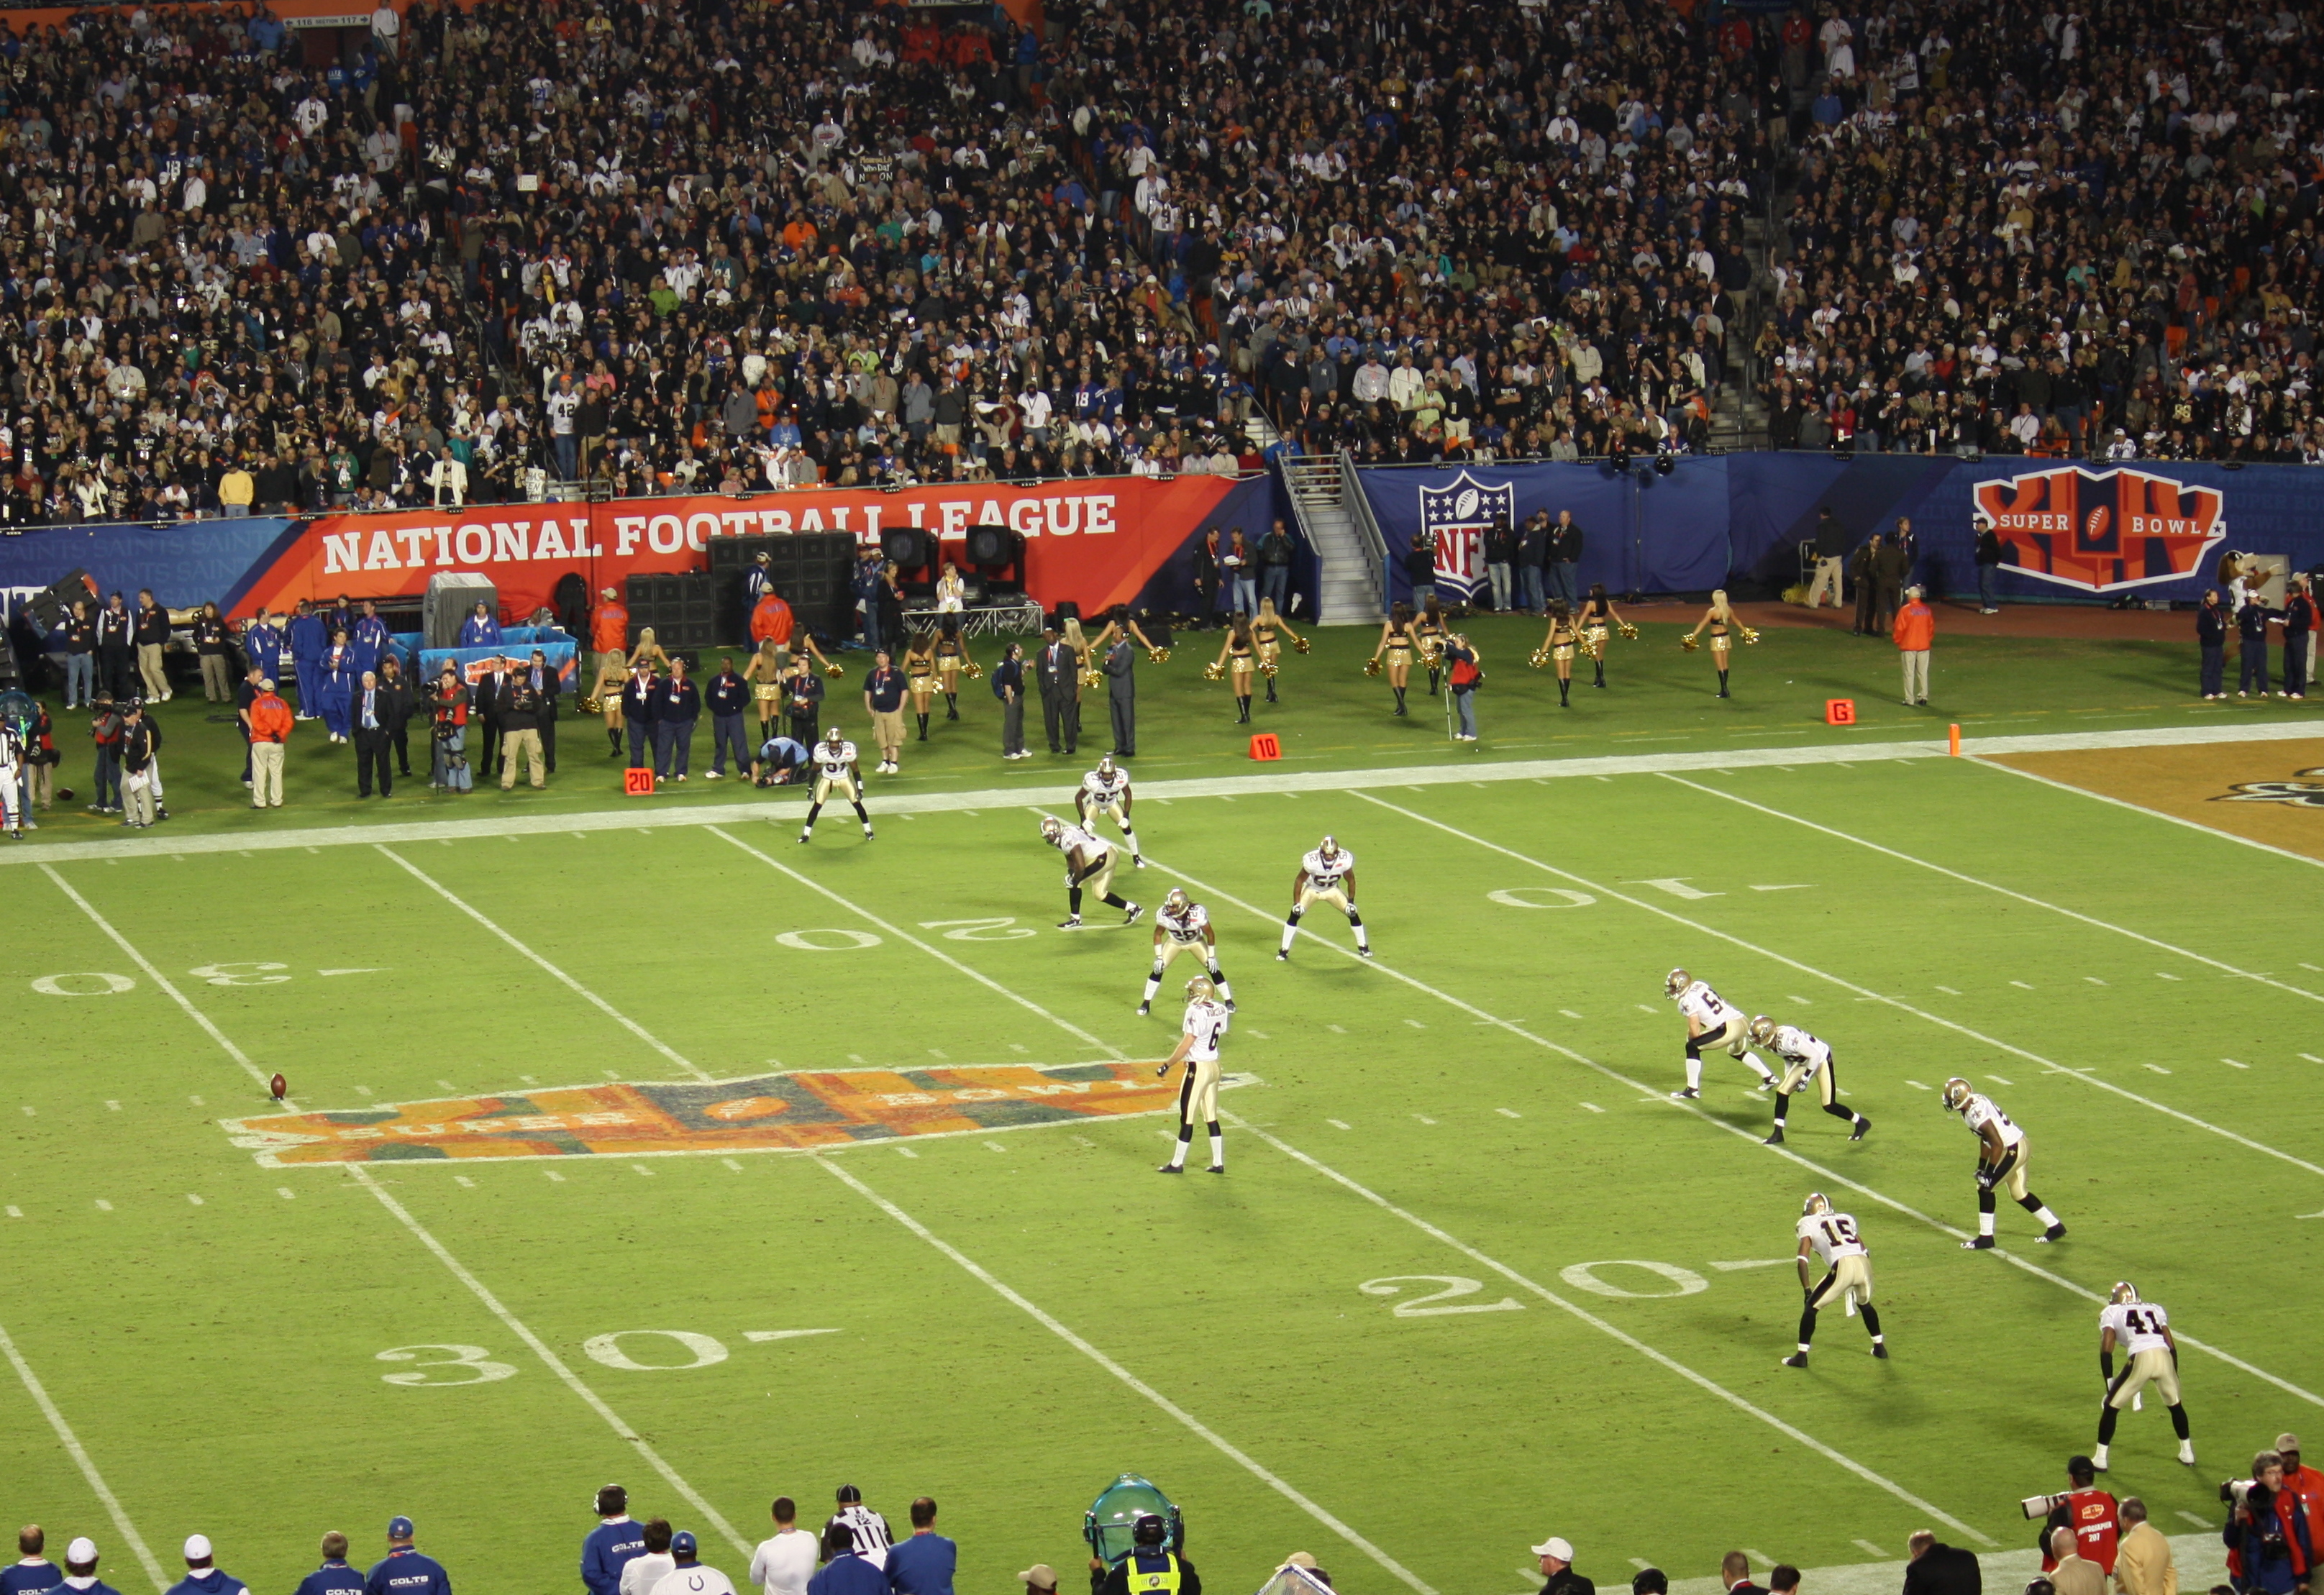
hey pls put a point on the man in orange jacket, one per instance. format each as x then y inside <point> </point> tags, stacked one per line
<point>1916,630</point>
<point>609,632</point>
<point>269,729</point>
<point>771,621</point>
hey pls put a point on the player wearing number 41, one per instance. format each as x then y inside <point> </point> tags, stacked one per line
<point>1205,1025</point>
<point>1805,1058</point>
<point>2142,1330</point>
<point>2001,1158</point>
<point>1183,927</point>
<point>1089,867</point>
<point>1105,791</point>
<point>1832,1239</point>
<point>836,770</point>
<point>1710,1022</point>
<point>1327,875</point>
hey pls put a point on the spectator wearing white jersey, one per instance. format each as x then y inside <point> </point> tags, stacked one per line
<point>641,1574</point>
<point>786,1560</point>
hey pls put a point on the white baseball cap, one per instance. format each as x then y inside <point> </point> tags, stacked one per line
<point>80,1553</point>
<point>197,1547</point>
<point>1554,1547</point>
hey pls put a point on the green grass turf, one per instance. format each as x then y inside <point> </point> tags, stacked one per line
<point>1333,717</point>
<point>221,1361</point>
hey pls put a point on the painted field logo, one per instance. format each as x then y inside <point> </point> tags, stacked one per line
<point>793,1112</point>
<point>1459,512</point>
<point>2102,530</point>
<point>2305,790</point>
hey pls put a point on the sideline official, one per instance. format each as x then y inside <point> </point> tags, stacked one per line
<point>404,1570</point>
<point>726,697</point>
<point>1151,1568</point>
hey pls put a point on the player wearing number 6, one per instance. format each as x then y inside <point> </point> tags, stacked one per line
<point>1832,1238</point>
<point>1327,875</point>
<point>2001,1154</point>
<point>1198,1048</point>
<point>1805,1059</point>
<point>2143,1329</point>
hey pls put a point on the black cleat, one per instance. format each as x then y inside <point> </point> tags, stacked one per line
<point>1775,1140</point>
<point>1880,1351</point>
<point>1072,924</point>
<point>1145,1008</point>
<point>2054,1232</point>
<point>803,836</point>
<point>1132,918</point>
<point>1170,1168</point>
<point>1686,1096</point>
<point>1796,1359</point>
<point>1981,1243</point>
<point>1283,957</point>
<point>1216,1168</point>
<point>1862,1124</point>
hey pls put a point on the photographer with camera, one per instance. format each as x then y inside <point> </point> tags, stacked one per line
<point>2088,1513</point>
<point>2269,1552</point>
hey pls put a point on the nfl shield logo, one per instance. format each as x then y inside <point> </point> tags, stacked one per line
<point>1459,513</point>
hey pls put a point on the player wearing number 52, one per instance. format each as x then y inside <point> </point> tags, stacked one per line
<point>1327,875</point>
<point>1830,1239</point>
<point>2143,1330</point>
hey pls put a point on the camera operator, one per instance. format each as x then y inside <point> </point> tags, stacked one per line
<point>781,758</point>
<point>2090,1513</point>
<point>2269,1552</point>
<point>1150,1557</point>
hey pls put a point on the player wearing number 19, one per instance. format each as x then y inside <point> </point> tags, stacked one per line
<point>1831,1238</point>
<point>2142,1330</point>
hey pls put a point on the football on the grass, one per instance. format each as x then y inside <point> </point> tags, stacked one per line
<point>279,1087</point>
<point>64,794</point>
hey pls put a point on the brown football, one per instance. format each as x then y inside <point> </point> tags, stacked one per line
<point>279,1087</point>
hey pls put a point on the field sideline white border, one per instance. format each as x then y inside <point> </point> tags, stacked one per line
<point>644,817</point>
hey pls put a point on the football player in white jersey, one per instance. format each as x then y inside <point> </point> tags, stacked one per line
<point>1205,1025</point>
<point>2142,1330</point>
<point>14,787</point>
<point>1105,791</point>
<point>1832,1238</point>
<point>1711,1022</point>
<point>1327,875</point>
<point>1805,1058</point>
<point>836,771</point>
<point>1089,867</point>
<point>868,1529</point>
<point>2001,1154</point>
<point>1183,927</point>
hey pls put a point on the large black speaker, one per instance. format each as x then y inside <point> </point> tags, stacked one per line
<point>52,604</point>
<point>910,547</point>
<point>993,546</point>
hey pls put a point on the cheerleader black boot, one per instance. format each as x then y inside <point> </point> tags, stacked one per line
<point>1243,703</point>
<point>1601,664</point>
<point>952,705</point>
<point>1432,677</point>
<point>923,726</point>
<point>1564,691</point>
<point>1722,684</point>
<point>1270,689</point>
<point>1399,700</point>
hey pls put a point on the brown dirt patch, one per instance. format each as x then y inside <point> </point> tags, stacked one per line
<point>2201,782</point>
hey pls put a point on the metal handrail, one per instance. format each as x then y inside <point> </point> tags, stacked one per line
<point>1359,516</point>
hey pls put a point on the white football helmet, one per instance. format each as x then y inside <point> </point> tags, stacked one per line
<point>1177,901</point>
<point>2123,1292</point>
<point>1105,765</point>
<point>1330,849</point>
<point>1956,1094</point>
<point>1675,982</point>
<point>1052,827</point>
<point>833,737</point>
<point>1816,1205</point>
<point>1200,989</point>
<point>1763,1031</point>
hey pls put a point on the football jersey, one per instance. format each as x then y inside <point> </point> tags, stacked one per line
<point>870,1531</point>
<point>1206,1022</point>
<point>1982,1112</point>
<point>2137,1326</point>
<point>835,763</point>
<point>12,745</point>
<point>1106,789</point>
<point>1833,1235</point>
<point>1324,872</point>
<point>1073,839</point>
<point>1798,1047</point>
<point>1188,926</point>
<point>1700,1003</point>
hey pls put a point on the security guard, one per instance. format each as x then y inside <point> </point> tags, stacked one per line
<point>1151,1568</point>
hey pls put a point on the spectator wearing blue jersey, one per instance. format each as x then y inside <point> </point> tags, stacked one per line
<point>334,1577</point>
<point>611,1544</point>
<point>33,1572</point>
<point>202,1576</point>
<point>480,629</point>
<point>846,1572</point>
<point>311,640</point>
<point>81,1570</point>
<point>403,1570</point>
<point>924,1563</point>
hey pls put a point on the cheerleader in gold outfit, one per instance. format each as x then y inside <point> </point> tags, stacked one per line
<point>1239,657</point>
<point>952,659</point>
<point>1559,645</point>
<point>920,676</point>
<point>1269,631</point>
<point>1428,636</point>
<point>1395,643</point>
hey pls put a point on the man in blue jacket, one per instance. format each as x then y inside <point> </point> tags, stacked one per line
<point>922,1565</point>
<point>727,696</point>
<point>677,705</point>
<point>261,646</point>
<point>33,1572</point>
<point>334,1577</point>
<point>203,1578</point>
<point>480,629</point>
<point>81,1570</point>
<point>613,1544</point>
<point>311,640</point>
<point>846,1572</point>
<point>639,709</point>
<point>404,1570</point>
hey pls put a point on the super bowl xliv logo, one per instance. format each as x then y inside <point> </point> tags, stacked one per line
<point>2101,530</point>
<point>1459,513</point>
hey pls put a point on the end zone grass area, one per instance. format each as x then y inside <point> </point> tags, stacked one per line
<point>1469,1260</point>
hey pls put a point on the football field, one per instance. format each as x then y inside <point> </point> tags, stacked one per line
<point>678,1153</point>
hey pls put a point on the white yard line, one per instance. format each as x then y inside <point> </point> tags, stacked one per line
<point>80,1455</point>
<point>2025,898</point>
<point>1785,1152</point>
<point>1049,1322</point>
<point>2153,813</point>
<point>644,815</point>
<point>570,984</point>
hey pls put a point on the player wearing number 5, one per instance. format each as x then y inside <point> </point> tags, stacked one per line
<point>1805,1058</point>
<point>1710,1022</point>
<point>1205,1025</point>
<point>1327,875</point>
<point>2002,1154</point>
<point>1832,1238</point>
<point>2142,1330</point>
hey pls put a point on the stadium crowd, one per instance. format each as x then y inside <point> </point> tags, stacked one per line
<point>720,243</point>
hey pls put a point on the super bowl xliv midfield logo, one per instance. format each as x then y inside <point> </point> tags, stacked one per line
<point>1459,512</point>
<point>2101,531</point>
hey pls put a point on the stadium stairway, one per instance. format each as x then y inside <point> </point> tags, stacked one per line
<point>1349,584</point>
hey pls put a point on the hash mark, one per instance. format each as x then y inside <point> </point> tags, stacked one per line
<point>115,1106</point>
<point>1259,1035</point>
<point>15,1214</point>
<point>2158,1068</point>
<point>194,1199</point>
<point>464,1182</point>
<point>1997,1080</point>
<point>1424,1118</point>
<point>1335,1124</point>
<point>2164,975</point>
<point>1803,1001</point>
<point>362,1091</point>
<point>1593,1107</point>
<point>1013,1047</point>
<point>28,1111</point>
<point>1415,1024</point>
<point>528,1079</point>
<point>1948,990</point>
<point>195,1099</point>
<point>553,1174</point>
<point>855,1058</point>
<point>908,1152</point>
<point>286,1193</point>
<point>2094,979</point>
<point>1082,1140</point>
<point>2319,970</point>
<point>103,1205</point>
<point>1641,1563</point>
<point>1642,1008</point>
<point>612,1074</point>
<point>642,1168</point>
<point>730,1162</point>
<point>1916,1085</point>
<point>2021,985</point>
<point>448,1085</point>
<point>996,1146</point>
<point>2311,1057</point>
<point>1869,1545</point>
<point>2233,1064</point>
<point>1336,1029</point>
<point>1509,1112</point>
<point>937,1052</point>
<point>2198,1522</point>
<point>1569,1013</point>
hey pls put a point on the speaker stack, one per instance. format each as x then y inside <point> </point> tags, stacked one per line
<point>678,609</point>
<point>993,550</point>
<point>814,573</point>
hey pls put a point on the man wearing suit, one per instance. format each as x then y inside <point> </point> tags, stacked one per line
<point>1865,571</point>
<point>1735,1576</point>
<point>545,681</point>
<point>638,713</point>
<point>490,691</point>
<point>1940,1569</point>
<point>1053,673</point>
<point>370,714</point>
<point>803,700</point>
<point>1121,696</point>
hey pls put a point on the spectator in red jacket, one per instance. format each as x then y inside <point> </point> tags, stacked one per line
<point>2305,1484</point>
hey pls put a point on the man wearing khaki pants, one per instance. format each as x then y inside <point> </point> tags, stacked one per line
<point>519,718</point>
<point>150,630</point>
<point>1914,631</point>
<point>270,728</point>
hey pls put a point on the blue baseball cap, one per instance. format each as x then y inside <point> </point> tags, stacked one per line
<point>681,1544</point>
<point>399,1528</point>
